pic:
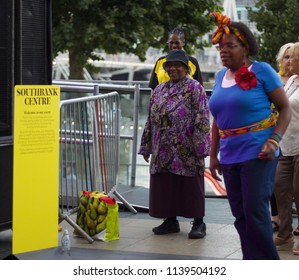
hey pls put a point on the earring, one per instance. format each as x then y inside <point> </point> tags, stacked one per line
<point>281,73</point>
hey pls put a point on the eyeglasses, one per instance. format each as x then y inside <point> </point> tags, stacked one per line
<point>229,46</point>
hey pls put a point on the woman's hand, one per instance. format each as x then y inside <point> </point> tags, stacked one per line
<point>215,166</point>
<point>146,157</point>
<point>268,151</point>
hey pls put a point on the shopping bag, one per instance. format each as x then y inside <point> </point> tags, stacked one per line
<point>98,212</point>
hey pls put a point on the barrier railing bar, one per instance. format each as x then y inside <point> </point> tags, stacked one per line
<point>135,134</point>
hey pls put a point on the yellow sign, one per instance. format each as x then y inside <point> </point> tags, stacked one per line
<point>35,167</point>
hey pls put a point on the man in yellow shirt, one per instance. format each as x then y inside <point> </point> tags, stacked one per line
<point>176,41</point>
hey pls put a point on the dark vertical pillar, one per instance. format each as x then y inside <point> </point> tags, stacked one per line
<point>25,59</point>
<point>6,66</point>
<point>32,42</point>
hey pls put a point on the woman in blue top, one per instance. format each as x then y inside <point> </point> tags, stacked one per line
<point>247,134</point>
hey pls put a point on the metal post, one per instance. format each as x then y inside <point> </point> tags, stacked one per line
<point>135,134</point>
<point>96,162</point>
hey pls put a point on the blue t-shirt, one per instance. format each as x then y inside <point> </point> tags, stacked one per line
<point>234,107</point>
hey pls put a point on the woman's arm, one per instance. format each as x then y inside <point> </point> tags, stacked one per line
<point>281,103</point>
<point>214,161</point>
<point>146,138</point>
<point>201,118</point>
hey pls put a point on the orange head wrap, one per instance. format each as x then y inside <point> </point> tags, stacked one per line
<point>223,27</point>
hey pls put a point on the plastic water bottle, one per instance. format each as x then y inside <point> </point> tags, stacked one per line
<point>66,242</point>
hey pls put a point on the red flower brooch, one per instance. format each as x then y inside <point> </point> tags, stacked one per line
<point>245,79</point>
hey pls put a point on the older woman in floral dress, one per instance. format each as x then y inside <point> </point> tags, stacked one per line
<point>177,137</point>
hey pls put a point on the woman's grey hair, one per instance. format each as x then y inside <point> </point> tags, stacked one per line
<point>282,51</point>
<point>295,50</point>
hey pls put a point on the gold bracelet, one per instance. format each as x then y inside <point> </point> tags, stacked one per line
<point>273,142</point>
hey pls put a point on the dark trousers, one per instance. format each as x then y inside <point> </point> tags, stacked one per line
<point>273,206</point>
<point>249,187</point>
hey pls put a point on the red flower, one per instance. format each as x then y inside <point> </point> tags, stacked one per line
<point>245,79</point>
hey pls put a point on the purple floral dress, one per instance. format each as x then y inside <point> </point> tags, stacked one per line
<point>177,130</point>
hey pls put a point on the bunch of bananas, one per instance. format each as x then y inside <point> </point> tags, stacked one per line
<point>92,213</point>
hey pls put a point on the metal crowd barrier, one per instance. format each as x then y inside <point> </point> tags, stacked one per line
<point>135,90</point>
<point>89,150</point>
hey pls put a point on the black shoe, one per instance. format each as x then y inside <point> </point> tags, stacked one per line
<point>168,226</point>
<point>198,231</point>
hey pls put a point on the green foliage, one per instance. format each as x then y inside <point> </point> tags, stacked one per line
<point>84,26</point>
<point>276,21</point>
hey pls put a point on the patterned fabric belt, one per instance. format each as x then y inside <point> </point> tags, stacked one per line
<point>263,124</point>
